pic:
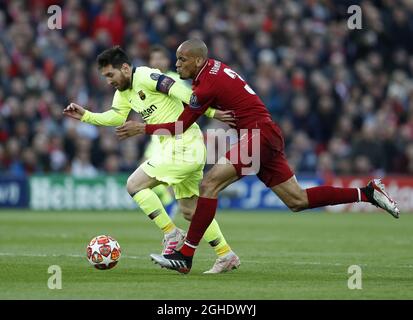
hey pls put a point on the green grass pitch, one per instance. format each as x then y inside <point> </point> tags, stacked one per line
<point>283,256</point>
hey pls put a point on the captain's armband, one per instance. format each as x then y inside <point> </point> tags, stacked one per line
<point>164,83</point>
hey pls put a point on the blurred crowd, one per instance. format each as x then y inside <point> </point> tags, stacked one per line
<point>343,97</point>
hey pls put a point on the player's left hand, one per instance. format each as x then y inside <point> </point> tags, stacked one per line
<point>226,116</point>
<point>129,129</point>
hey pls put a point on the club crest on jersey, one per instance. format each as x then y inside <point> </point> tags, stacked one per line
<point>141,95</point>
<point>193,102</point>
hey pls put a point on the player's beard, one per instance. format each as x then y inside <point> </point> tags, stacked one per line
<point>186,73</point>
<point>183,76</point>
<point>124,84</point>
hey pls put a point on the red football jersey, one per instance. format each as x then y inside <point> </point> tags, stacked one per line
<point>218,86</point>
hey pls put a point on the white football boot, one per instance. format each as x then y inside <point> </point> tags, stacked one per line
<point>226,263</point>
<point>377,195</point>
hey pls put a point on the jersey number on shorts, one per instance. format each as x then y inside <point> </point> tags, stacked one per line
<point>233,75</point>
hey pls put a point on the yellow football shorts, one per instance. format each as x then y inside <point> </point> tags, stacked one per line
<point>152,146</point>
<point>179,162</point>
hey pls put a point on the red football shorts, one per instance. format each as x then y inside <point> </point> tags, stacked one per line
<point>260,151</point>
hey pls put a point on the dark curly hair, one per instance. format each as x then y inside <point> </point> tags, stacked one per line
<point>114,56</point>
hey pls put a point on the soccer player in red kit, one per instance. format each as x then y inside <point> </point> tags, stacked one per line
<point>215,84</point>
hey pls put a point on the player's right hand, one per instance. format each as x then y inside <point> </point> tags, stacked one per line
<point>74,111</point>
<point>226,116</point>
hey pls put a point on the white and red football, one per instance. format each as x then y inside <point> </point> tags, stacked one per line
<point>103,252</point>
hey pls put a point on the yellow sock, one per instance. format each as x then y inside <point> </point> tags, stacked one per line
<point>149,202</point>
<point>163,194</point>
<point>216,239</point>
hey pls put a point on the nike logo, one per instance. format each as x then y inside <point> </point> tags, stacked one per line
<point>150,164</point>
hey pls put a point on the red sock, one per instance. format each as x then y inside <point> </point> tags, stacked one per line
<point>202,218</point>
<point>326,195</point>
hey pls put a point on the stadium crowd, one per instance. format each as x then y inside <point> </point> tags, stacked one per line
<point>343,97</point>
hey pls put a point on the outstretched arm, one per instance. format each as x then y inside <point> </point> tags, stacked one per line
<point>113,117</point>
<point>107,118</point>
<point>74,111</point>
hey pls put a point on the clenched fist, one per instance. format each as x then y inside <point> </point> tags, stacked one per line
<point>74,111</point>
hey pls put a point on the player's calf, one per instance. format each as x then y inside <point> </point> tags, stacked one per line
<point>297,206</point>
<point>292,195</point>
<point>296,202</point>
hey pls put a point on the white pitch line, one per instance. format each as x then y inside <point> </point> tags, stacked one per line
<point>312,263</point>
<point>41,255</point>
<point>345,265</point>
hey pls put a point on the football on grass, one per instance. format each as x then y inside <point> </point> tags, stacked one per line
<point>103,252</point>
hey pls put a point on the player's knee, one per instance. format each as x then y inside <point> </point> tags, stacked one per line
<point>208,188</point>
<point>131,186</point>
<point>187,214</point>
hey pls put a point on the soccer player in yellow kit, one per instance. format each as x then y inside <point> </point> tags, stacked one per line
<point>178,162</point>
<point>159,59</point>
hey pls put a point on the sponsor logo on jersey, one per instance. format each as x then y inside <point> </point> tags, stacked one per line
<point>147,112</point>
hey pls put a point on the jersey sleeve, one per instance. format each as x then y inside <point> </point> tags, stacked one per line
<point>147,77</point>
<point>180,91</point>
<point>198,104</point>
<point>210,112</point>
<point>183,93</point>
<point>114,117</point>
<point>154,80</point>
